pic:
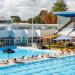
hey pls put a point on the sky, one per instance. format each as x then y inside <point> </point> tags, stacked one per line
<point>28,8</point>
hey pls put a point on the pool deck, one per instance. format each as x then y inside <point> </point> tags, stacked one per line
<point>33,59</point>
<point>25,60</point>
<point>66,55</point>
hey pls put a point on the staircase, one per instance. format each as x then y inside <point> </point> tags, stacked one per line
<point>65,31</point>
<point>64,26</point>
<point>72,34</point>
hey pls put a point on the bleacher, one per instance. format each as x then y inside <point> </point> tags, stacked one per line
<point>65,31</point>
<point>72,33</point>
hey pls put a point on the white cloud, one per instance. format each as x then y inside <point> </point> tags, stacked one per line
<point>27,8</point>
<point>71,4</point>
<point>24,8</point>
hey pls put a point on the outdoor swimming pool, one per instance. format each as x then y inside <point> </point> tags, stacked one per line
<point>52,66</point>
<point>23,52</point>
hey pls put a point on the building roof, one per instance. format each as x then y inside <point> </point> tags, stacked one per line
<point>6,33</point>
<point>66,13</point>
<point>20,33</point>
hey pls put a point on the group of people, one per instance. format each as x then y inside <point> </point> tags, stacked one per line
<point>67,51</point>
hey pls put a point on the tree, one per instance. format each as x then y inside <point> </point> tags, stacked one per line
<point>48,17</point>
<point>37,20</point>
<point>43,12</point>
<point>24,21</point>
<point>59,5</point>
<point>29,21</point>
<point>16,19</point>
<point>44,17</point>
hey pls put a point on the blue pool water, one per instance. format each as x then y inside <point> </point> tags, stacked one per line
<point>52,66</point>
<point>22,52</point>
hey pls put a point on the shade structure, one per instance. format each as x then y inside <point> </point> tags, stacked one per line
<point>63,38</point>
<point>6,33</point>
<point>36,33</point>
<point>66,13</point>
<point>20,33</point>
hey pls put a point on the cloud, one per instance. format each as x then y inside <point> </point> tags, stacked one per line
<point>1,4</point>
<point>71,4</point>
<point>24,8</point>
<point>27,8</point>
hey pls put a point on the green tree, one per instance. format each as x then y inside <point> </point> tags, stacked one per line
<point>37,20</point>
<point>59,5</point>
<point>16,19</point>
<point>29,21</point>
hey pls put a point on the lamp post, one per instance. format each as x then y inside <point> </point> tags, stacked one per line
<point>32,31</point>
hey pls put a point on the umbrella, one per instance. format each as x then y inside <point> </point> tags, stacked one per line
<point>8,51</point>
<point>63,37</point>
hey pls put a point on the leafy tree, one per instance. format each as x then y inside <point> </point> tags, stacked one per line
<point>29,21</point>
<point>37,20</point>
<point>43,12</point>
<point>44,17</point>
<point>16,19</point>
<point>48,17</point>
<point>59,5</point>
<point>24,21</point>
<point>70,45</point>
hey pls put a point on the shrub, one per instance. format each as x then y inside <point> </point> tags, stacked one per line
<point>70,45</point>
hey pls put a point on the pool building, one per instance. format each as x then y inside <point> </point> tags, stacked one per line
<point>25,34</point>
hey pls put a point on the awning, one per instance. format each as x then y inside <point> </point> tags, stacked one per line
<point>66,13</point>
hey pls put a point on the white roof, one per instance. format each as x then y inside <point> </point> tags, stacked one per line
<point>20,33</point>
<point>6,33</point>
<point>3,33</point>
<point>36,33</point>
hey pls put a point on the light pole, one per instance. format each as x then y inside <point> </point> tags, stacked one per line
<point>32,32</point>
